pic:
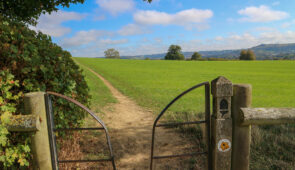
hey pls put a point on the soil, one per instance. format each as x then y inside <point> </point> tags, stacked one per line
<point>130,129</point>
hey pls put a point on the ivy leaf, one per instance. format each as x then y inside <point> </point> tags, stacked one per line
<point>5,118</point>
<point>27,148</point>
<point>21,161</point>
<point>43,68</point>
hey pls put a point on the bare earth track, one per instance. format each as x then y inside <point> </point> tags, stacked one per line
<point>130,129</point>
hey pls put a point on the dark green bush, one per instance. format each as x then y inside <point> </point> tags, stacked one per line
<point>37,64</point>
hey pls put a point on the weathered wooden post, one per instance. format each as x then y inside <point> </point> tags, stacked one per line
<point>242,97</point>
<point>35,105</point>
<point>35,122</point>
<point>244,117</point>
<point>221,89</point>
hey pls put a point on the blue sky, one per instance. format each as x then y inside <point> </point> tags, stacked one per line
<point>135,27</point>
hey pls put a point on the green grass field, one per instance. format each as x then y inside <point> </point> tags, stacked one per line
<point>153,84</point>
<point>100,94</point>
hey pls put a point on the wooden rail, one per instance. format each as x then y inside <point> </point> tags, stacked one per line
<point>23,123</point>
<point>266,116</point>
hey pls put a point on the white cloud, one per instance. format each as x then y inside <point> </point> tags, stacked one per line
<point>133,29</point>
<point>288,24</point>
<point>261,14</point>
<point>99,18</point>
<point>219,38</point>
<point>112,42</point>
<point>97,48</point>
<point>158,40</point>
<point>51,24</point>
<point>85,37</point>
<point>264,29</point>
<point>278,37</point>
<point>232,41</point>
<point>238,41</point>
<point>144,49</point>
<point>116,6</point>
<point>188,18</point>
<point>154,46</point>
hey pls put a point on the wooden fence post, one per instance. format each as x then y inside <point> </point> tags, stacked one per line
<point>35,104</point>
<point>242,97</point>
<point>221,135</point>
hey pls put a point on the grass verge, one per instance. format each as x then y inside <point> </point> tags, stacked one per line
<point>100,94</point>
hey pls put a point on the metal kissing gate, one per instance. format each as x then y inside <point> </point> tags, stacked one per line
<point>218,127</point>
<point>206,121</point>
<point>52,129</point>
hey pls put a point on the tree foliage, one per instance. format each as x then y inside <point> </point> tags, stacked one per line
<point>174,53</point>
<point>29,61</point>
<point>28,11</point>
<point>196,56</point>
<point>112,53</point>
<point>247,55</point>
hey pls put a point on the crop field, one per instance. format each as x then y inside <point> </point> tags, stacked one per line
<point>154,83</point>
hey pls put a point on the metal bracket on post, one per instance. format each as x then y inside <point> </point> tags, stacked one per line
<point>221,131</point>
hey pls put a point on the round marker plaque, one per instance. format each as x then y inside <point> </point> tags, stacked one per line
<point>224,145</point>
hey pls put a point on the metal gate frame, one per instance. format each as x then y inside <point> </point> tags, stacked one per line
<point>52,130</point>
<point>207,121</point>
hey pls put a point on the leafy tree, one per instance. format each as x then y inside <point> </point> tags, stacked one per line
<point>174,53</point>
<point>251,55</point>
<point>112,53</point>
<point>28,11</point>
<point>30,61</point>
<point>196,56</point>
<point>247,55</point>
<point>243,55</point>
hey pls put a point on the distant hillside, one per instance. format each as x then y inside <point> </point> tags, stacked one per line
<point>263,51</point>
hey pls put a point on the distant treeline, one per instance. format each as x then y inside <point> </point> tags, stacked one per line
<point>230,59</point>
<point>262,52</point>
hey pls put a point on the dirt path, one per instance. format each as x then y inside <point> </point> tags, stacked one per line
<point>130,129</point>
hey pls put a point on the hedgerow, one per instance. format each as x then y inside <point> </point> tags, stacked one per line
<point>30,61</point>
<point>11,152</point>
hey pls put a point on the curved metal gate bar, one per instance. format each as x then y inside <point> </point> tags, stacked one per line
<point>52,129</point>
<point>207,121</point>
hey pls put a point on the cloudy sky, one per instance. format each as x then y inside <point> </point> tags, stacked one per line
<point>134,27</point>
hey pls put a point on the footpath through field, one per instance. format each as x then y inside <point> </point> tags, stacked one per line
<point>130,129</point>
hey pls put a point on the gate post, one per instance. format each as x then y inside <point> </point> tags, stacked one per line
<point>35,104</point>
<point>221,139</point>
<point>242,98</point>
